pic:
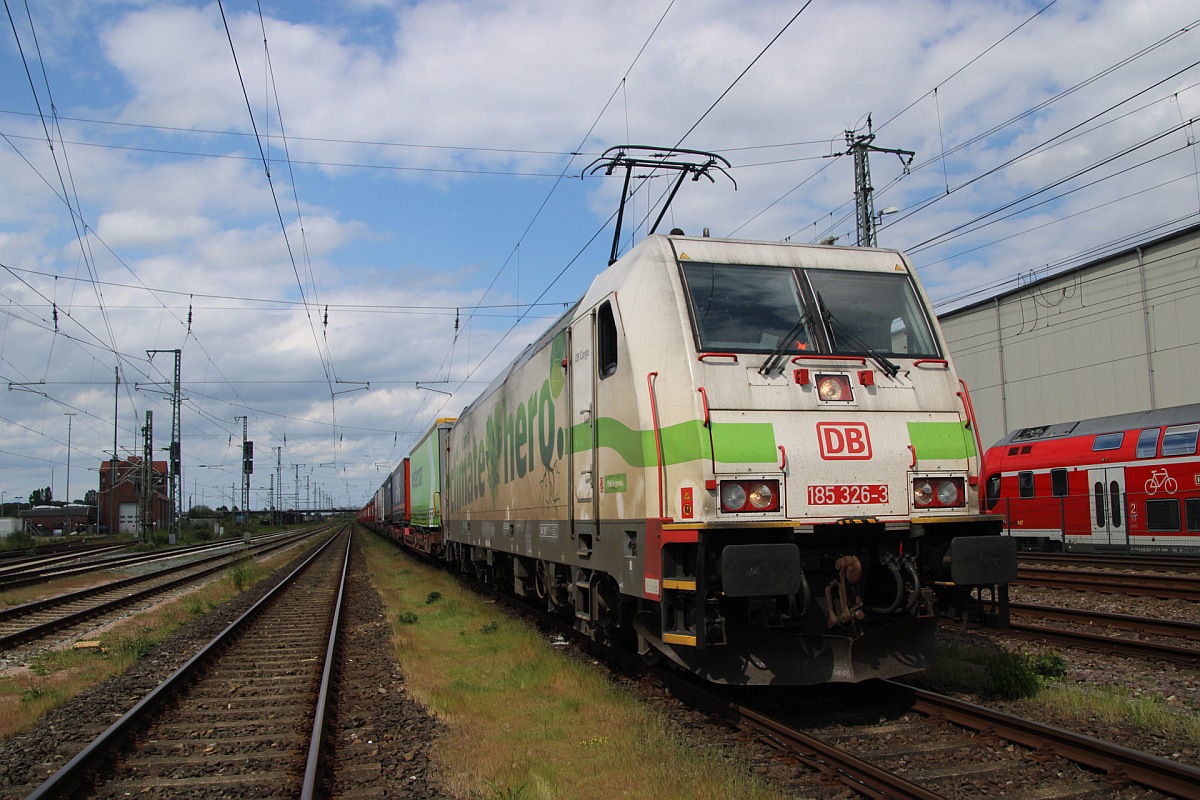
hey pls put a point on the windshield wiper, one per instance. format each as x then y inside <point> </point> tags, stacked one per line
<point>775,360</point>
<point>889,368</point>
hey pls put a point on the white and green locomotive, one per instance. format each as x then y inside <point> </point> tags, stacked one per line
<point>753,458</point>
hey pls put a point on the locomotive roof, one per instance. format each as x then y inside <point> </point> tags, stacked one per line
<point>1158,417</point>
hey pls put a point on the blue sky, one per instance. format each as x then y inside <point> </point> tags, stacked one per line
<point>427,176</point>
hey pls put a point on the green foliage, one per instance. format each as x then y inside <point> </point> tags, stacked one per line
<point>34,694</point>
<point>432,598</point>
<point>1050,665</point>
<point>134,646</point>
<point>491,627</point>
<point>1011,676</point>
<point>407,618</point>
<point>242,573</point>
<point>495,792</point>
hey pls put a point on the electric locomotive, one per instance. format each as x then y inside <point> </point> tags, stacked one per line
<point>752,458</point>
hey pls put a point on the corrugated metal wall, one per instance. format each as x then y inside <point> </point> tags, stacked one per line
<point>1118,335</point>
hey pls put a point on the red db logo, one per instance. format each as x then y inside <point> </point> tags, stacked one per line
<point>844,441</point>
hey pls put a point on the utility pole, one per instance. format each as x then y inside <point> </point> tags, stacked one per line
<point>247,468</point>
<point>278,482</point>
<point>860,145</point>
<point>146,496</point>
<point>112,474</point>
<point>175,466</point>
<point>70,415</point>
<point>296,467</point>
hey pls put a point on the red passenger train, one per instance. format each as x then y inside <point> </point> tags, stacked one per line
<point>1128,483</point>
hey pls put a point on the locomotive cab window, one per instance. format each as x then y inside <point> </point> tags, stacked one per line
<point>761,309</point>
<point>606,341</point>
<point>1147,444</point>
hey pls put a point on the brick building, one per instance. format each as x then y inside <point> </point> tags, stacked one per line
<point>118,504</point>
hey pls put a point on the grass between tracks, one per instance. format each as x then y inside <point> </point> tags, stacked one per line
<point>55,677</point>
<point>987,670</point>
<point>525,721</point>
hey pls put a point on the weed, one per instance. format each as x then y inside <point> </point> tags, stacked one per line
<point>193,606</point>
<point>1011,676</point>
<point>407,618</point>
<point>499,793</point>
<point>34,694</point>
<point>491,627</point>
<point>242,573</point>
<point>1050,665</point>
<point>134,646</point>
<point>432,598</point>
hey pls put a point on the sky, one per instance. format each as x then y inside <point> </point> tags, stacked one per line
<point>348,217</point>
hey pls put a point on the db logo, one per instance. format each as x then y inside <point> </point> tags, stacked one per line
<point>844,441</point>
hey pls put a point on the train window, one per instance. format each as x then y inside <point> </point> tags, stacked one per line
<point>1100,498</point>
<point>1114,501</point>
<point>992,491</point>
<point>1180,440</point>
<point>1108,441</point>
<point>1058,482</point>
<point>1191,509</point>
<point>1025,483</point>
<point>606,341</point>
<point>746,308</point>
<point>873,311</point>
<point>1147,444</point>
<point>1162,515</point>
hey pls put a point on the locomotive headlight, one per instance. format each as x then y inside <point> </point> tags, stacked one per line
<point>752,496</point>
<point>733,496</point>
<point>761,496</point>
<point>834,388</point>
<point>938,493</point>
<point>947,493</point>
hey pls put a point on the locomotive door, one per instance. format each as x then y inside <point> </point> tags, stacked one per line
<point>1106,487</point>
<point>596,399</point>
<point>583,426</point>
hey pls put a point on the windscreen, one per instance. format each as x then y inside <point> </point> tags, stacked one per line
<point>744,309</point>
<point>760,309</point>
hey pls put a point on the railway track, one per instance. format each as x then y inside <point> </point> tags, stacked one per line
<point>32,621</point>
<point>1085,635</point>
<point>244,717</point>
<point>960,749</point>
<point>55,567</point>
<point>1114,561</point>
<point>1166,587</point>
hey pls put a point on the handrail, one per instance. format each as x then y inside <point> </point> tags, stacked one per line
<point>704,399</point>
<point>827,357</point>
<point>702,357</point>
<point>965,397</point>
<point>650,376</point>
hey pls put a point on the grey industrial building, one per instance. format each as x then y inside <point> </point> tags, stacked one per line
<point>1118,334</point>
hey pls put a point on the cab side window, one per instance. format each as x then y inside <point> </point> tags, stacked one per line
<point>606,341</point>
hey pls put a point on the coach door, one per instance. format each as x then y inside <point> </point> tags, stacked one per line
<point>1107,489</point>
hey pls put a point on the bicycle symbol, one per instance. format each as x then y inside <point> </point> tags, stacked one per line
<point>1160,480</point>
